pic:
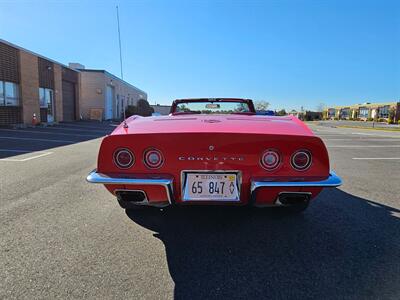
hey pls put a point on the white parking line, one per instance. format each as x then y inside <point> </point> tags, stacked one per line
<point>360,139</point>
<point>84,126</point>
<point>42,153</point>
<point>78,129</point>
<point>48,132</point>
<point>39,140</point>
<point>364,146</point>
<point>376,158</point>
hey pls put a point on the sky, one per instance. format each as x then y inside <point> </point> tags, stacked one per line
<point>291,54</point>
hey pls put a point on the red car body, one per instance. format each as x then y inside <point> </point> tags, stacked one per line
<point>221,144</point>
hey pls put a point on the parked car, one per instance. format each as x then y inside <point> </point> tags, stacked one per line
<point>265,112</point>
<point>214,151</point>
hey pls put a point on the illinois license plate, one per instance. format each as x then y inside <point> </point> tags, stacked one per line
<point>211,187</point>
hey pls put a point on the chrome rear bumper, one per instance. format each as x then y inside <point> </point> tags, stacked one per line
<point>95,177</point>
<point>332,181</point>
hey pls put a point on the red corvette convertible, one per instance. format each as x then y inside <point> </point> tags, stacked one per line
<point>213,151</point>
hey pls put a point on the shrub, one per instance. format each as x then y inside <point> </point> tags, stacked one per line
<point>370,119</point>
<point>142,108</point>
<point>390,121</point>
<point>381,120</point>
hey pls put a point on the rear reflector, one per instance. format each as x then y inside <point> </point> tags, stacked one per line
<point>153,158</point>
<point>301,160</point>
<point>270,160</point>
<point>123,158</point>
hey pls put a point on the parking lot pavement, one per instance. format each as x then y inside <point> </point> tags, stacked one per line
<point>17,142</point>
<point>61,237</point>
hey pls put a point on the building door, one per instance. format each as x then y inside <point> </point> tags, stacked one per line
<point>50,105</point>
<point>108,109</point>
<point>68,94</point>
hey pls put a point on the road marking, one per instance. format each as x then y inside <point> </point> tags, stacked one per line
<point>48,132</point>
<point>105,131</point>
<point>365,146</point>
<point>42,153</point>
<point>363,139</point>
<point>34,139</point>
<point>84,126</point>
<point>376,158</point>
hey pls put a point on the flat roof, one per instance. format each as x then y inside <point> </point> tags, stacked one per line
<point>38,55</point>
<point>113,76</point>
<point>364,105</point>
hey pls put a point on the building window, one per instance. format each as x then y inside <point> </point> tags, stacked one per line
<point>46,99</point>
<point>364,112</point>
<point>9,94</point>
<point>331,112</point>
<point>383,112</point>
<point>345,113</point>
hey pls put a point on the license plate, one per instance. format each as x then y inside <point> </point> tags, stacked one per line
<point>211,187</point>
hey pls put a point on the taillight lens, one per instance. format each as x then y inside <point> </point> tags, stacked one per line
<point>301,160</point>
<point>123,158</point>
<point>153,158</point>
<point>270,159</point>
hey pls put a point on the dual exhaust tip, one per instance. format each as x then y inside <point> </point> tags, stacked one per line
<point>284,198</point>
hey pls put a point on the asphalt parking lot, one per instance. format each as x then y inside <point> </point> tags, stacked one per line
<point>61,237</point>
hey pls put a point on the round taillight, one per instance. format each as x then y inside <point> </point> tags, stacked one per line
<point>301,160</point>
<point>270,160</point>
<point>123,158</point>
<point>153,158</point>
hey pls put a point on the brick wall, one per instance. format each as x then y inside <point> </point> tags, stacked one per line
<point>29,86</point>
<point>58,93</point>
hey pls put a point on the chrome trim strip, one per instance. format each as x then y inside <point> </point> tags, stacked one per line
<point>95,177</point>
<point>332,181</point>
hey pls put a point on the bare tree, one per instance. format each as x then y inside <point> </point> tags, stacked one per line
<point>261,105</point>
<point>321,107</point>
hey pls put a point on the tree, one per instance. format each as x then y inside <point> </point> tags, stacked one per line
<point>142,108</point>
<point>281,112</point>
<point>261,105</point>
<point>321,107</point>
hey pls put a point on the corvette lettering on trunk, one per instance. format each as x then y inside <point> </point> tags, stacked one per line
<point>211,158</point>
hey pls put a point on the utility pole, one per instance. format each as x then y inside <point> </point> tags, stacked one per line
<point>120,61</point>
<point>119,41</point>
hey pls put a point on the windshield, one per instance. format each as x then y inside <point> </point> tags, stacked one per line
<point>208,107</point>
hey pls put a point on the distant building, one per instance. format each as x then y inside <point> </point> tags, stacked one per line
<point>365,111</point>
<point>161,109</point>
<point>105,92</point>
<point>33,85</point>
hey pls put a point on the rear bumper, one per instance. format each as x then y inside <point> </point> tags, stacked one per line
<point>332,181</point>
<point>94,177</point>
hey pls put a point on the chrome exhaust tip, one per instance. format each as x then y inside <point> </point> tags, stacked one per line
<point>293,198</point>
<point>133,196</point>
